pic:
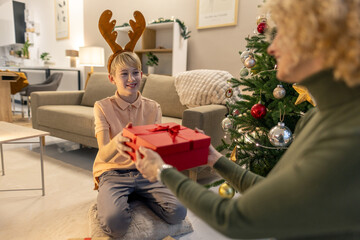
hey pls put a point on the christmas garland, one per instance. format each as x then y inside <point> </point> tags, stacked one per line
<point>123,25</point>
<point>184,32</point>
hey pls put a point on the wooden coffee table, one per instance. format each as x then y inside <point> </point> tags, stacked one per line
<point>9,133</point>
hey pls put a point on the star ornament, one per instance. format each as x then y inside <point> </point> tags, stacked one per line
<point>233,155</point>
<point>304,95</point>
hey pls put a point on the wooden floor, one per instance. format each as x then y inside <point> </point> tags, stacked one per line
<point>17,119</point>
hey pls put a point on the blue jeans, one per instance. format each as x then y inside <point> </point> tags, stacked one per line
<point>112,202</point>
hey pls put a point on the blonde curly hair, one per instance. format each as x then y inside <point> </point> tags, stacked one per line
<point>330,28</point>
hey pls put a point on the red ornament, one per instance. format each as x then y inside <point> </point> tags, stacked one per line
<point>229,93</point>
<point>258,111</point>
<point>261,28</point>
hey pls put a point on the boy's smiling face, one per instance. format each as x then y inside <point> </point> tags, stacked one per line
<point>127,81</point>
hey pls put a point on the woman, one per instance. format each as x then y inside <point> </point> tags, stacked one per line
<point>314,190</point>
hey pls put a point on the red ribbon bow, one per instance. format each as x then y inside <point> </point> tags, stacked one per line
<point>173,131</point>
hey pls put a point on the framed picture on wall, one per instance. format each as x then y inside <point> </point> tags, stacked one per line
<point>62,19</point>
<point>216,13</point>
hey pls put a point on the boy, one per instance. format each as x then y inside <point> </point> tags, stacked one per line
<point>115,174</point>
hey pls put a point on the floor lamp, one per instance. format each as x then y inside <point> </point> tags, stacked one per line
<point>92,57</point>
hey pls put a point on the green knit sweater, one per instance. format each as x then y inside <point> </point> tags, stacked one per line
<point>314,190</point>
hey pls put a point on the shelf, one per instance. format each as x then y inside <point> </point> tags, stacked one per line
<point>155,26</point>
<point>165,41</point>
<point>165,25</point>
<point>155,50</point>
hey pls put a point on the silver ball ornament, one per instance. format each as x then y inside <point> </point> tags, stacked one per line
<point>226,124</point>
<point>279,92</point>
<point>244,72</point>
<point>280,135</point>
<point>250,62</point>
<point>245,54</point>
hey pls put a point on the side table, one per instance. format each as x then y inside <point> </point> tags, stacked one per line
<point>5,97</point>
<point>9,133</point>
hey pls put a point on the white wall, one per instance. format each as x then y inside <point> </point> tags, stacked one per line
<point>214,48</point>
<point>43,12</point>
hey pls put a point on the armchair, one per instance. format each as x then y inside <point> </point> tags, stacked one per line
<point>50,84</point>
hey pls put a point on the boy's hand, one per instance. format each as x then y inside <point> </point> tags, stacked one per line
<point>121,146</point>
<point>120,143</point>
<point>213,154</point>
<point>149,164</point>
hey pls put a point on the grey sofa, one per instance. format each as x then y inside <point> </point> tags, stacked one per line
<point>69,114</point>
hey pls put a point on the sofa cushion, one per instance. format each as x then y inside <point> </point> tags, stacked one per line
<point>69,118</point>
<point>166,119</point>
<point>98,87</point>
<point>161,89</point>
<point>143,81</point>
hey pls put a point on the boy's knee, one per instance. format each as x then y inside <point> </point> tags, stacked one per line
<point>175,214</point>
<point>116,225</point>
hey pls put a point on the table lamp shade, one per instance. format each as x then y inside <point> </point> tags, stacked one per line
<point>91,56</point>
<point>71,53</point>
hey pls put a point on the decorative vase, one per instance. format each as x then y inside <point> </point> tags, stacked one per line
<point>151,69</point>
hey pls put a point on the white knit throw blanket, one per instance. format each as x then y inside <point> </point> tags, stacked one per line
<point>204,87</point>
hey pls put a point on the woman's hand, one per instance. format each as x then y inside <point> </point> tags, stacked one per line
<point>149,164</point>
<point>120,143</point>
<point>213,154</point>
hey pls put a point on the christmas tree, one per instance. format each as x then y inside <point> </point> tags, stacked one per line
<point>259,128</point>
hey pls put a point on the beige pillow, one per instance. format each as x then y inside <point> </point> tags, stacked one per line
<point>98,87</point>
<point>161,89</point>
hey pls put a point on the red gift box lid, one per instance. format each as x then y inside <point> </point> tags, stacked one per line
<point>162,142</point>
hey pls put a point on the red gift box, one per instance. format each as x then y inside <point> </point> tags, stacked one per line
<point>178,146</point>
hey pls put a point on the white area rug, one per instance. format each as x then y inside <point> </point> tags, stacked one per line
<point>145,224</point>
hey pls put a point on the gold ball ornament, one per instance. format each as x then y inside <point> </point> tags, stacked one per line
<point>226,191</point>
<point>250,62</point>
<point>279,92</point>
<point>245,55</point>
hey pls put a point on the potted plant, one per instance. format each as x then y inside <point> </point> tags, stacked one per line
<point>45,56</point>
<point>152,61</point>
<point>18,53</point>
<point>25,49</point>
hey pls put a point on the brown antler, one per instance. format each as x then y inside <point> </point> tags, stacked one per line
<point>106,29</point>
<point>138,29</point>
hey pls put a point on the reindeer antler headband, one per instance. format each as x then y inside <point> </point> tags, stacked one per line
<point>107,31</point>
